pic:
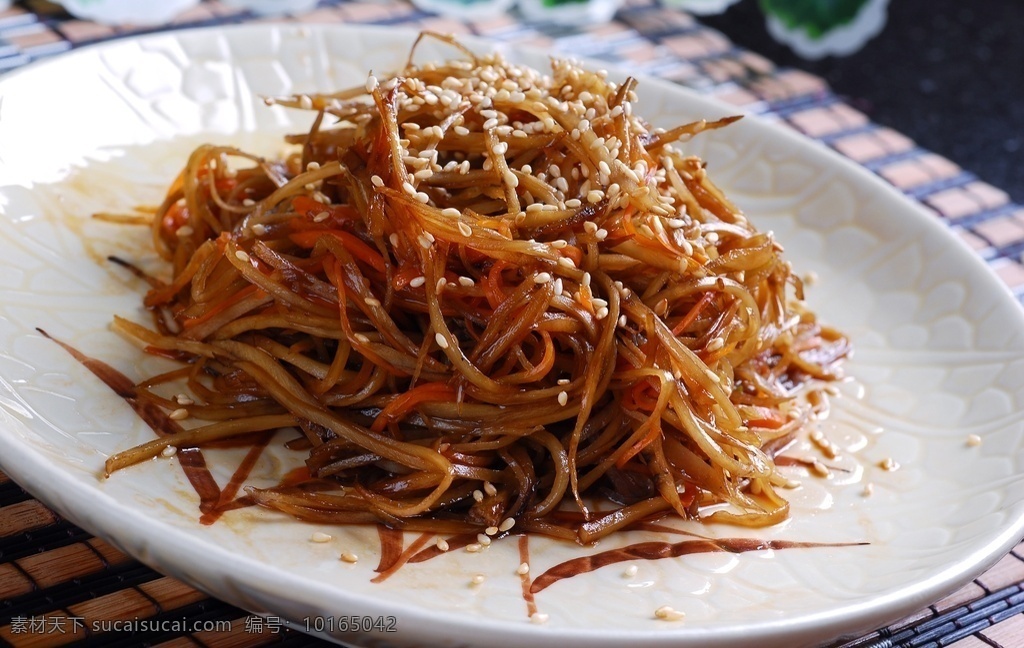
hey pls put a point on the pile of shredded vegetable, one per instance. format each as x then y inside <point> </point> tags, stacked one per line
<point>485,297</point>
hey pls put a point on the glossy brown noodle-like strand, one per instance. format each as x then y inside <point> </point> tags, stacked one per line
<point>481,293</point>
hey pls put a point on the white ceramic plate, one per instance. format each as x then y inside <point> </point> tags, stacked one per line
<point>939,355</point>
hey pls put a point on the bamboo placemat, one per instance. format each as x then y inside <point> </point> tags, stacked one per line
<point>58,584</point>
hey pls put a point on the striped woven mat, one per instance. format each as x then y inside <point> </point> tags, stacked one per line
<point>56,580</point>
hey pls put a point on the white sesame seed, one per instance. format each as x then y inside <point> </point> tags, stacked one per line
<point>594,196</point>
<point>507,524</point>
<point>820,469</point>
<point>542,277</point>
<point>477,578</point>
<point>500,148</point>
<point>558,287</point>
<point>442,544</point>
<point>441,284</point>
<point>558,244</point>
<point>491,530</point>
<point>483,539</point>
<point>372,301</point>
<point>371,83</point>
<point>408,188</point>
<point>394,239</point>
<point>362,339</point>
<point>321,217</point>
<point>630,571</point>
<point>320,536</point>
<point>305,102</point>
<point>416,282</point>
<point>474,548</point>
<point>451,212</point>
<point>478,495</point>
<point>259,229</point>
<point>563,398</point>
<point>567,262</point>
<point>349,557</point>
<point>241,256</point>
<point>490,123</point>
<point>178,414</point>
<point>490,490</point>
<point>424,242</point>
<point>441,340</point>
<point>169,451</point>
<point>666,613</point>
<point>888,464</point>
<point>466,282</point>
<point>590,227</point>
<point>586,279</point>
<point>715,344</point>
<point>538,618</point>
<point>523,569</point>
<point>421,197</point>
<point>973,440</point>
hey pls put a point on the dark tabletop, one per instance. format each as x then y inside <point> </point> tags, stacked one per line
<point>949,74</point>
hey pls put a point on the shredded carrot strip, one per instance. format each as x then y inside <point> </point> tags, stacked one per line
<point>404,403</point>
<point>765,417</point>
<point>354,245</point>
<point>693,314</point>
<point>176,216</point>
<point>222,306</point>
<point>492,287</point>
<point>311,208</point>
<point>638,447</point>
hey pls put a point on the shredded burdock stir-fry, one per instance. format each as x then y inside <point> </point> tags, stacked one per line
<point>485,296</point>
